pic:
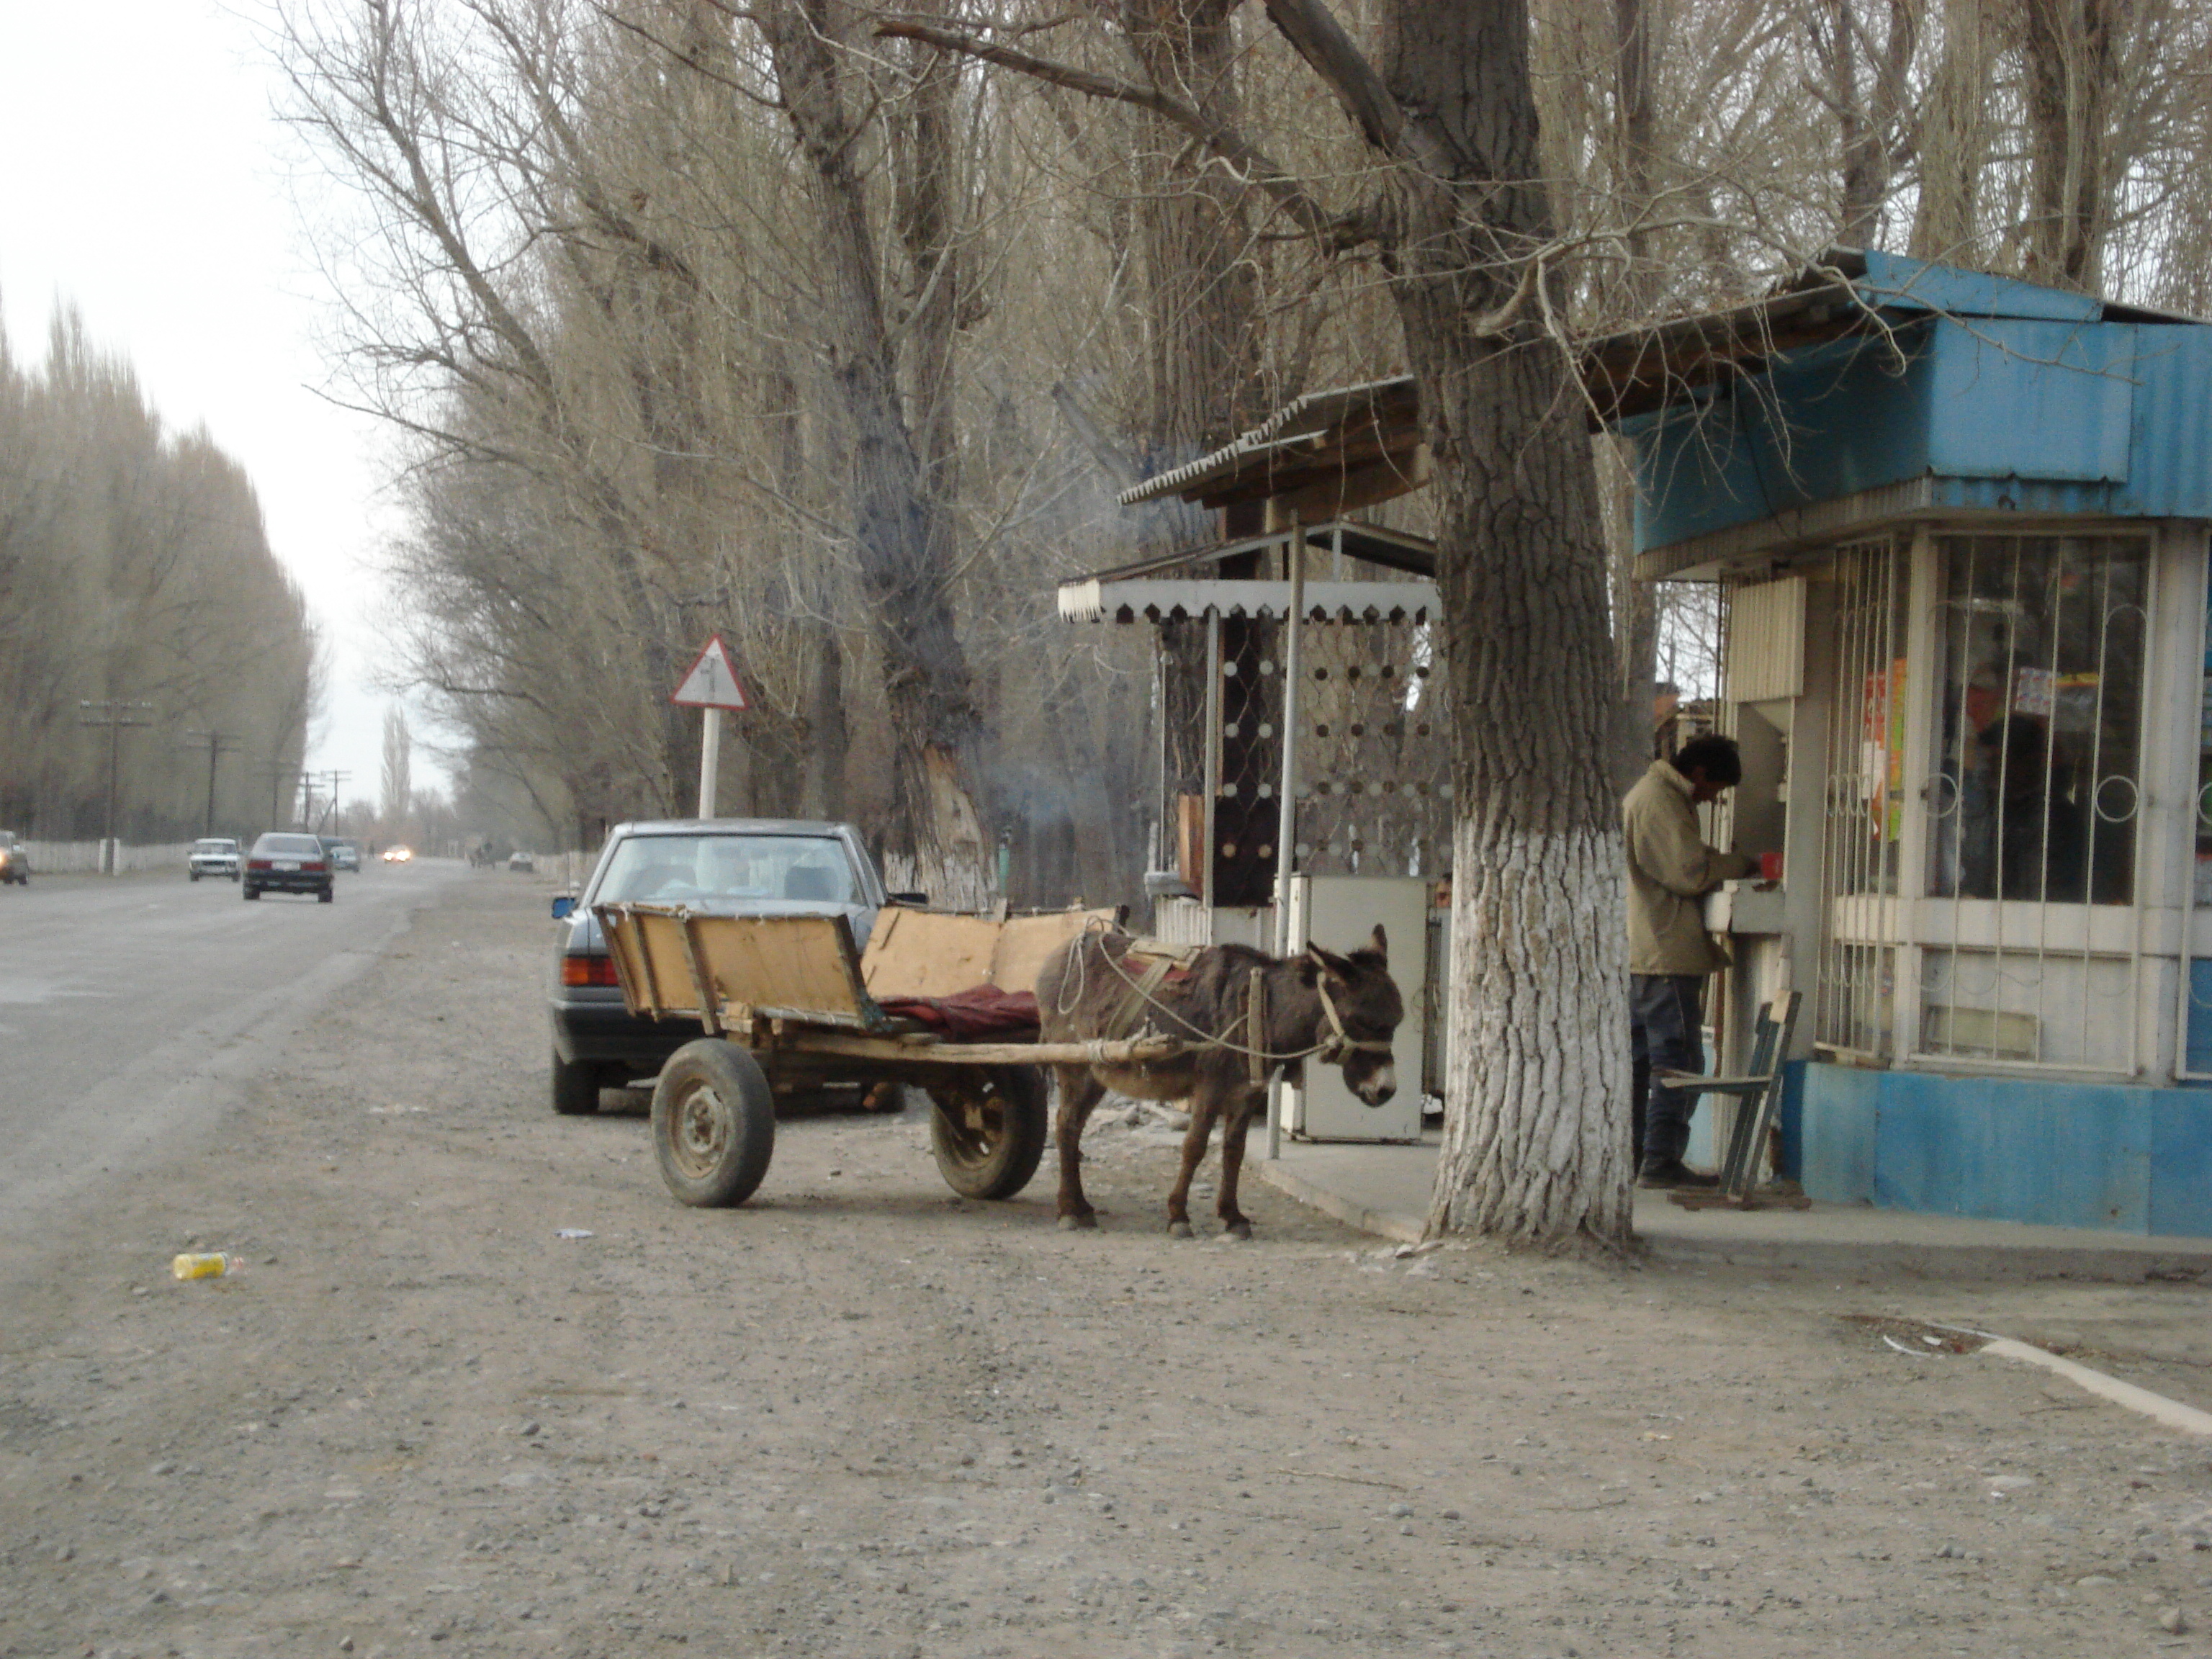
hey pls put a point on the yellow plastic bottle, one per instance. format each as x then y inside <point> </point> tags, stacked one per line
<point>208,1265</point>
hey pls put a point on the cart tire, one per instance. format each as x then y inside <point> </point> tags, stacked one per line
<point>576,1087</point>
<point>987,1126</point>
<point>714,1123</point>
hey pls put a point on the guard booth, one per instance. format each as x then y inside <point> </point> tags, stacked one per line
<point>1960,527</point>
<point>1293,660</point>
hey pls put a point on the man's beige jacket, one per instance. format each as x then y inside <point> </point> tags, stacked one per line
<point>1669,868</point>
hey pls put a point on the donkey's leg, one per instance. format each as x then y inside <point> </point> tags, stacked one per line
<point>1234,1222</point>
<point>1205,1106</point>
<point>1080,1093</point>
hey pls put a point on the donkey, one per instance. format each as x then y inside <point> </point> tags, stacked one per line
<point>1341,1010</point>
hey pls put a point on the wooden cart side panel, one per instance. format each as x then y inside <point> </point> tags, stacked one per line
<point>620,932</point>
<point>1025,941</point>
<point>928,953</point>
<point>931,953</point>
<point>802,965</point>
<point>652,960</point>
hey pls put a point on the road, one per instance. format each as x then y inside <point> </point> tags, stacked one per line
<point>861,1417</point>
<point>132,1010</point>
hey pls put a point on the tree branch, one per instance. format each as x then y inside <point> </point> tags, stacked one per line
<point>1251,166</point>
<point>1315,35</point>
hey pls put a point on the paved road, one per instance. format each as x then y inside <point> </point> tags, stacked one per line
<point>130,1009</point>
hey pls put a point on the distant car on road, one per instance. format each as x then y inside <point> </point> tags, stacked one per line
<point>214,855</point>
<point>726,866</point>
<point>521,863</point>
<point>345,854</point>
<point>15,861</point>
<point>285,863</point>
<point>398,854</point>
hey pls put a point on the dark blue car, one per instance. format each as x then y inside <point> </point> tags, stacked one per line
<point>728,867</point>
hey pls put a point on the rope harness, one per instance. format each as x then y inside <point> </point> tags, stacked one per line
<point>1334,1049</point>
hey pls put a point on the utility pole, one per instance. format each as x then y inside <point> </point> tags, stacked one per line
<point>218,743</point>
<point>114,714</point>
<point>337,779</point>
<point>278,770</point>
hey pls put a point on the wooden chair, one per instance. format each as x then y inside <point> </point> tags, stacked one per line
<point>1759,1092</point>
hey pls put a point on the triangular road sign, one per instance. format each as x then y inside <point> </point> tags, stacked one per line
<point>711,681</point>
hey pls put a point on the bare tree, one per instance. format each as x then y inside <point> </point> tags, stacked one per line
<point>398,791</point>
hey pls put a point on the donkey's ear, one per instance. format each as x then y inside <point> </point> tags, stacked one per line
<point>1311,965</point>
<point>1382,944</point>
<point>1334,965</point>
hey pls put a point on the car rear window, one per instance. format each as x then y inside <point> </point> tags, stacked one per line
<point>290,846</point>
<point>706,869</point>
<point>213,846</point>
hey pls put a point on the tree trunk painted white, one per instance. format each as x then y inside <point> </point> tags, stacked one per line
<point>1536,1097</point>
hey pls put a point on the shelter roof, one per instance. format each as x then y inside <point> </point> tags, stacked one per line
<point>1846,292</point>
<point>1326,441</point>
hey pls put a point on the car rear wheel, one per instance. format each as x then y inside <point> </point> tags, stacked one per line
<point>576,1087</point>
<point>986,1129</point>
<point>252,892</point>
<point>196,875</point>
<point>714,1123</point>
<point>326,895</point>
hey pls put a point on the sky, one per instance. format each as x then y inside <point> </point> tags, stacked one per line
<point>144,179</point>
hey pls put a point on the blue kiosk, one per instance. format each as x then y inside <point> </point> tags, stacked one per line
<point>1959,522</point>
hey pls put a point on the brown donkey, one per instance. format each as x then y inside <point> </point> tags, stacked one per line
<point>1339,1009</point>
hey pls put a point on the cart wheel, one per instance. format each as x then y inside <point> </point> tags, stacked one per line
<point>987,1130</point>
<point>714,1123</point>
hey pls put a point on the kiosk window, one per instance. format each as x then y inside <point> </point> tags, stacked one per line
<point>2038,725</point>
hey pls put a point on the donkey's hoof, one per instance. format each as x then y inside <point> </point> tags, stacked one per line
<point>1179,1230</point>
<point>1078,1224</point>
<point>1237,1229</point>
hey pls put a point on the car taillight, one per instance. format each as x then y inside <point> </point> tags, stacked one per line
<point>588,970</point>
<point>257,864</point>
<point>312,867</point>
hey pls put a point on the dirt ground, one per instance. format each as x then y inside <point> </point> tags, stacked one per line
<point>862,1416</point>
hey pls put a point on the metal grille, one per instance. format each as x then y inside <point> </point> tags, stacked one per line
<point>2033,802</point>
<point>2195,1055</point>
<point>1863,802</point>
<point>1374,777</point>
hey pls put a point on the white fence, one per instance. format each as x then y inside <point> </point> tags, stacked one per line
<point>81,858</point>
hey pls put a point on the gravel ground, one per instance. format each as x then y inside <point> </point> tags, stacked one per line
<point>862,1416</point>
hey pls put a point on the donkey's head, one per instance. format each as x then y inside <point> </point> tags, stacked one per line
<point>1360,1009</point>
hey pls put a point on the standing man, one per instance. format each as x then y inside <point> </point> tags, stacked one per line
<point>1669,954</point>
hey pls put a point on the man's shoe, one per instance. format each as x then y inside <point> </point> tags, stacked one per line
<point>1659,1177</point>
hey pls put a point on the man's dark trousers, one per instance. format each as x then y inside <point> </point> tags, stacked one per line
<point>1666,1031</point>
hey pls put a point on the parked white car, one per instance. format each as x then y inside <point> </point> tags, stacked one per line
<point>214,855</point>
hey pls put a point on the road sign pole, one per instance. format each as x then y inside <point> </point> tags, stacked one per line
<point>710,760</point>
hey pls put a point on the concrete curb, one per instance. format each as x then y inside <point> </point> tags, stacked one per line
<point>1382,1223</point>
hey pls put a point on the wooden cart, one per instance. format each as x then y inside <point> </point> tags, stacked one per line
<point>788,1003</point>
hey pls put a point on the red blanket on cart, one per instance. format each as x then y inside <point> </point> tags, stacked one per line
<point>982,1012</point>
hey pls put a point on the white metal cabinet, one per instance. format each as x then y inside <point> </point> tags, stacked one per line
<point>1340,913</point>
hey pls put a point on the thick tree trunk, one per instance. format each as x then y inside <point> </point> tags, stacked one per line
<point>1203,318</point>
<point>1535,1126</point>
<point>2069,48</point>
<point>1957,128</point>
<point>902,534</point>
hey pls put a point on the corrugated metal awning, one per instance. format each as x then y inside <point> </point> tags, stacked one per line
<point>1157,599</point>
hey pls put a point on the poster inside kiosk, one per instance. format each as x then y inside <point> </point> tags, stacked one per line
<point>712,684</point>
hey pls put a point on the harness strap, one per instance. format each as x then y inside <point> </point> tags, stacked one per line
<point>1341,1045</point>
